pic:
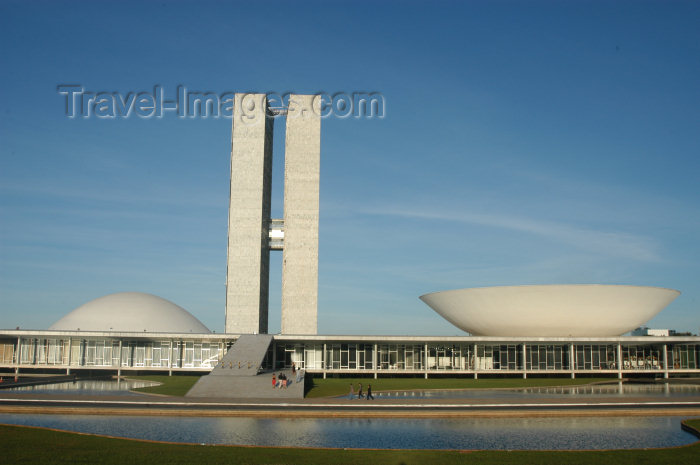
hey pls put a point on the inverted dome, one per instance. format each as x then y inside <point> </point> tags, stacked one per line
<point>577,310</point>
<point>131,312</point>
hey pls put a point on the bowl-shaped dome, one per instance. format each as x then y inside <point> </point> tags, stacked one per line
<point>551,310</point>
<point>131,312</point>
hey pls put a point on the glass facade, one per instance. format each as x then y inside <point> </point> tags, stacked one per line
<point>642,357</point>
<point>684,356</point>
<point>379,357</point>
<point>7,351</point>
<point>547,357</point>
<point>348,356</point>
<point>447,357</point>
<point>483,357</point>
<point>595,357</point>
<point>114,353</point>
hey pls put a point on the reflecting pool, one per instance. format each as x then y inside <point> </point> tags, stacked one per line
<point>88,387</point>
<point>383,433</point>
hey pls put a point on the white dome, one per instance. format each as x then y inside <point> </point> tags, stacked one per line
<point>577,310</point>
<point>131,312</point>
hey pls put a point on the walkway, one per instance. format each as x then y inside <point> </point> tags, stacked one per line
<point>343,407</point>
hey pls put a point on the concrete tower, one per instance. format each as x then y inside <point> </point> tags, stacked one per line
<point>252,233</point>
<point>248,264</point>
<point>302,169</point>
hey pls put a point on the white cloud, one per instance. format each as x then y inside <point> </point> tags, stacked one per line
<point>608,243</point>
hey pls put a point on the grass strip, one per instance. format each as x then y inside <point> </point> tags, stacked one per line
<point>341,386</point>
<point>37,445</point>
<point>176,385</point>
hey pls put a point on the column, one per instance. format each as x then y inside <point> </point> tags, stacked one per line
<point>19,356</point>
<point>426,354</point>
<point>665,355</point>
<point>119,370</point>
<point>374,360</point>
<point>619,360</point>
<point>524,361</point>
<point>572,360</point>
<point>70,354</point>
<point>170,358</point>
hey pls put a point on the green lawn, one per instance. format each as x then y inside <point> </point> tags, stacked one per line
<point>22,445</point>
<point>339,386</point>
<point>176,385</point>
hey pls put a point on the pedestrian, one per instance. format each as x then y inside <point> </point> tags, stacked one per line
<point>274,381</point>
<point>283,380</point>
<point>294,368</point>
<point>299,375</point>
<point>351,395</point>
<point>359,391</point>
<point>369,392</point>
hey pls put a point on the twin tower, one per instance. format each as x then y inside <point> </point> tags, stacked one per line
<point>252,233</point>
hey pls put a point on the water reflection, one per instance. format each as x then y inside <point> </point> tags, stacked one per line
<point>467,433</point>
<point>89,387</point>
<point>617,389</point>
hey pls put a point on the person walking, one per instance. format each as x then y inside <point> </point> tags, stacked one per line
<point>274,381</point>
<point>369,392</point>
<point>351,395</point>
<point>359,391</point>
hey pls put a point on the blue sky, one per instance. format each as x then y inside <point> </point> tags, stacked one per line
<point>522,143</point>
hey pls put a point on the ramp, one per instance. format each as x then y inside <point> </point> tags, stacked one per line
<point>240,374</point>
<point>245,357</point>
